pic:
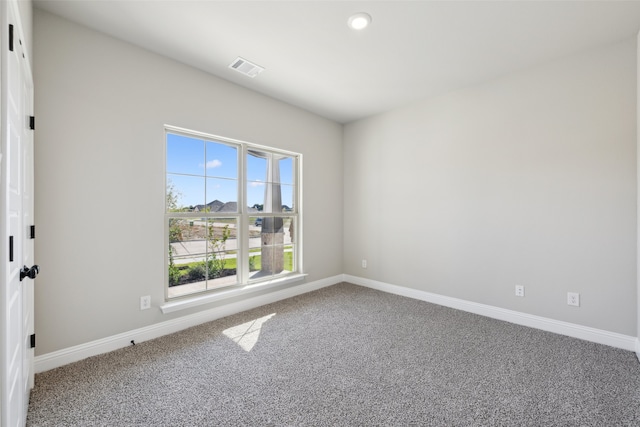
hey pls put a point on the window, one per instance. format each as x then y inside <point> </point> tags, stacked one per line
<point>231,213</point>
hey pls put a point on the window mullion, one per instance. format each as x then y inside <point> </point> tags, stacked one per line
<point>243,260</point>
<point>298,208</point>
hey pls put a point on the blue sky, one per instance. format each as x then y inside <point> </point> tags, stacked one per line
<point>203,171</point>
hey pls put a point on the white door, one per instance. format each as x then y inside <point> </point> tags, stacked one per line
<point>16,202</point>
<point>28,249</point>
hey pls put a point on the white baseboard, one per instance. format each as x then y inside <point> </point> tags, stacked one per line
<point>65,356</point>
<point>586,333</point>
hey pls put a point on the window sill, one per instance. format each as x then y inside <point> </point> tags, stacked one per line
<point>172,306</point>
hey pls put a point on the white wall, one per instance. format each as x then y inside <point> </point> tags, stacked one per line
<point>529,179</point>
<point>101,105</point>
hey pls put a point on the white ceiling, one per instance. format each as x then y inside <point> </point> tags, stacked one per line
<point>412,49</point>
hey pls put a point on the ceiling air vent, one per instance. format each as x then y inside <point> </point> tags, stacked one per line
<point>245,67</point>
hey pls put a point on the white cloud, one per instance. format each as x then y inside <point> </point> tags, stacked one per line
<point>256,184</point>
<point>215,163</point>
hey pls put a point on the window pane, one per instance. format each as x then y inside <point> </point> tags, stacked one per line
<point>223,191</point>
<point>222,234</point>
<point>286,170</point>
<point>222,248</point>
<point>255,229</point>
<point>287,198</point>
<point>254,264</point>
<point>265,174</point>
<point>222,270</point>
<point>271,252</point>
<point>188,191</point>
<point>273,225</point>
<point>290,233</point>
<point>273,198</point>
<point>185,155</point>
<point>222,160</point>
<point>256,166</point>
<point>289,227</point>
<point>289,258</point>
<point>268,197</point>
<point>255,242</point>
<point>187,254</point>
<point>255,195</point>
<point>256,178</point>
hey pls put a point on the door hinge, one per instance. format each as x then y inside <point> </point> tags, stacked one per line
<point>11,37</point>
<point>32,232</point>
<point>32,339</point>
<point>10,248</point>
<point>32,122</point>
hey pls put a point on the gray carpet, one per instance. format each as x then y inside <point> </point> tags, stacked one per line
<point>347,356</point>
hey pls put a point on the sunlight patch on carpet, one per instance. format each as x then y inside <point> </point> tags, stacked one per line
<point>247,334</point>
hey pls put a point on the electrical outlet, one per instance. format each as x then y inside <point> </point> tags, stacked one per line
<point>573,298</point>
<point>519,290</point>
<point>364,263</point>
<point>145,302</point>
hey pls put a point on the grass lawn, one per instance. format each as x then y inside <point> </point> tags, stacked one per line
<point>255,264</point>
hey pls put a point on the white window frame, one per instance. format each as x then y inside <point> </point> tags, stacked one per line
<point>244,284</point>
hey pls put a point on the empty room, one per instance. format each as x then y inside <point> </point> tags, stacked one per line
<point>319,213</point>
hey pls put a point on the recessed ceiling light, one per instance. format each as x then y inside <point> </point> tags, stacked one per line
<point>359,21</point>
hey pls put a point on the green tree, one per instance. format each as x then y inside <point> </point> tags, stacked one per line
<point>173,197</point>
<point>175,231</point>
<point>174,271</point>
<point>175,224</point>
<point>216,260</point>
